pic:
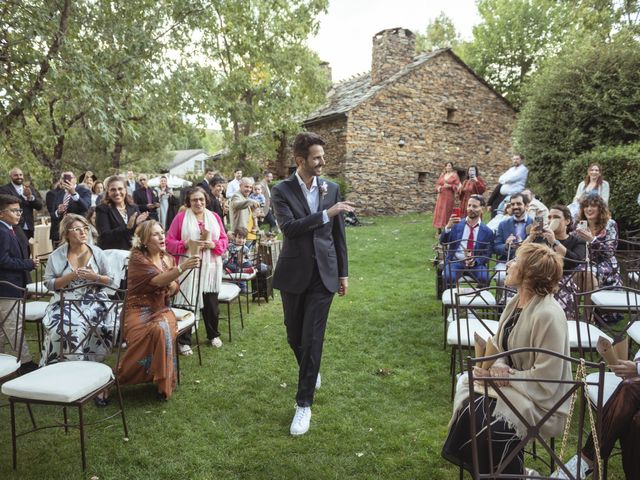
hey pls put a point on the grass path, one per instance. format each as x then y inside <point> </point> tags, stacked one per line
<point>382,411</point>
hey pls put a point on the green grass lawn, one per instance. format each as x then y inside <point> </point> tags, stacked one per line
<point>382,412</point>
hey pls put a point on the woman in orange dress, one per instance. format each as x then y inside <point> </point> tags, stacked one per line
<point>149,324</point>
<point>473,185</point>
<point>446,188</point>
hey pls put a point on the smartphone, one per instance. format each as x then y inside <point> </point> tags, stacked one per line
<point>582,225</point>
<point>539,223</point>
<point>66,177</point>
<point>456,211</point>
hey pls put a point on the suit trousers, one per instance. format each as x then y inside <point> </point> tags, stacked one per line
<point>621,420</point>
<point>305,318</point>
<point>11,330</point>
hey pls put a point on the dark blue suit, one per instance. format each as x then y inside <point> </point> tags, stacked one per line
<point>56,197</point>
<point>483,247</point>
<point>15,263</point>
<point>505,229</point>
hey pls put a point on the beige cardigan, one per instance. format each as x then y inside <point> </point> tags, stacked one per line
<point>542,324</point>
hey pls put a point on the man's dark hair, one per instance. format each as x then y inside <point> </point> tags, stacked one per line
<point>265,173</point>
<point>217,180</point>
<point>478,198</point>
<point>6,200</point>
<point>304,141</point>
<point>525,198</point>
<point>209,169</point>
<point>241,232</point>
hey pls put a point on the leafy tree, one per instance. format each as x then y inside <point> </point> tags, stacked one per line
<point>440,33</point>
<point>585,97</point>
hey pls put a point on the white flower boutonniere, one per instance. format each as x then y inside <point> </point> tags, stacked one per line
<point>323,188</point>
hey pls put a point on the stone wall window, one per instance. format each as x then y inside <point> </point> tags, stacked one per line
<point>422,178</point>
<point>451,115</point>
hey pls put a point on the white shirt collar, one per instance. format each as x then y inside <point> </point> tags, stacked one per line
<point>314,182</point>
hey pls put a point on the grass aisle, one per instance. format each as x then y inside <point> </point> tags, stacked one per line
<point>382,411</point>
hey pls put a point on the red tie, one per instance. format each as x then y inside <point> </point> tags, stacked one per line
<point>470,239</point>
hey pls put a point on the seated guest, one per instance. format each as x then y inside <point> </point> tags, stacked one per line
<point>73,264</point>
<point>149,324</point>
<point>117,217</point>
<point>511,232</point>
<point>471,239</point>
<point>532,318</point>
<point>620,419</point>
<point>593,183</point>
<point>473,185</point>
<point>502,213</point>
<point>146,198</point>
<point>15,266</point>
<point>238,257</point>
<point>536,208</point>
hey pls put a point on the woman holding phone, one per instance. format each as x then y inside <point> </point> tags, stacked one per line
<point>446,186</point>
<point>473,185</point>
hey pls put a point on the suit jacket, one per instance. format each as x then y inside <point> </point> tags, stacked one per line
<point>266,191</point>
<point>505,229</point>
<point>27,206</point>
<point>140,198</point>
<point>56,197</point>
<point>112,230</point>
<point>15,263</point>
<point>484,236</point>
<point>238,211</point>
<point>308,242</point>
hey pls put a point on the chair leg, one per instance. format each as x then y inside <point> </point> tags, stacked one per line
<point>13,433</point>
<point>229,319</point>
<point>121,404</point>
<point>81,421</point>
<point>198,344</point>
<point>66,421</point>
<point>241,319</point>
<point>177,361</point>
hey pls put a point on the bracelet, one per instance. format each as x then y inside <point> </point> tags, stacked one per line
<point>179,269</point>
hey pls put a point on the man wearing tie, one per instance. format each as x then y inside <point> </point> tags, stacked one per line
<point>67,197</point>
<point>29,197</point>
<point>146,198</point>
<point>312,265</point>
<point>15,266</point>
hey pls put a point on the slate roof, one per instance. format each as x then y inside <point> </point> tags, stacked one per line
<point>348,94</point>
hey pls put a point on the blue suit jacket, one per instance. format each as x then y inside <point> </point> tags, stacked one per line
<point>505,229</point>
<point>484,237</point>
<point>56,197</point>
<point>15,263</point>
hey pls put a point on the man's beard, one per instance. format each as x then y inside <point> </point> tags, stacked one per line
<point>18,181</point>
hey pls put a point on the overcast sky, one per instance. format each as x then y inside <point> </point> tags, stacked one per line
<point>344,39</point>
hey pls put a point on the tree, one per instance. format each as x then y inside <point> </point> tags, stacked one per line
<point>585,97</point>
<point>440,33</point>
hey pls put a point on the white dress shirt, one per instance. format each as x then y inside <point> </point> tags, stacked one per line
<point>311,194</point>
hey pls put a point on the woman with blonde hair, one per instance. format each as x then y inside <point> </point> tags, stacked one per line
<point>532,318</point>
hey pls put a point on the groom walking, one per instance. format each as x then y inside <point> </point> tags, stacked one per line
<point>312,265</point>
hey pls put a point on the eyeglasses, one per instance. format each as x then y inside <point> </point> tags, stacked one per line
<point>79,229</point>
<point>13,210</point>
<point>143,179</point>
<point>196,200</point>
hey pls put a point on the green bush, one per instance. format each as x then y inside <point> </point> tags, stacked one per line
<point>621,167</point>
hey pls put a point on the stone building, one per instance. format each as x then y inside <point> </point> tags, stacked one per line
<point>390,131</point>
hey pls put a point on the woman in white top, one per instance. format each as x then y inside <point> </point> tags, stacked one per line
<point>593,183</point>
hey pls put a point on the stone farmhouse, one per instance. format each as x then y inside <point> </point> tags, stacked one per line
<point>390,131</point>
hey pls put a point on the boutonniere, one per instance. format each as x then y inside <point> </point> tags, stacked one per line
<point>323,188</point>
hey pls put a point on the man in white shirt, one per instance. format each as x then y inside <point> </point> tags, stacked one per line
<point>234,185</point>
<point>510,182</point>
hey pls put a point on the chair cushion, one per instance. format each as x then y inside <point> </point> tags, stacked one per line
<point>587,332</point>
<point>185,318</point>
<point>611,382</point>
<point>34,311</point>
<point>484,298</point>
<point>634,331</point>
<point>451,317</point>
<point>615,298</point>
<point>60,382</point>
<point>8,364</point>
<point>474,326</point>
<point>228,292</point>
<point>37,288</point>
<point>239,277</point>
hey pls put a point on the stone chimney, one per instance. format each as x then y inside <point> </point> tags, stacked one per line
<point>326,68</point>
<point>392,49</point>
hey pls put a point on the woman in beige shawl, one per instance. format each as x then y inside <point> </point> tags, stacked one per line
<point>532,318</point>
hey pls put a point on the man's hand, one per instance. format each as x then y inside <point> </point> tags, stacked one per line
<point>26,192</point>
<point>453,219</point>
<point>342,289</point>
<point>69,187</point>
<point>625,369</point>
<point>141,218</point>
<point>510,239</point>
<point>339,208</point>
<point>62,208</point>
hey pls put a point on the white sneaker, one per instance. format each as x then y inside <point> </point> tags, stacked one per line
<point>216,342</point>
<point>530,472</point>
<point>301,421</point>
<point>318,382</point>
<point>185,350</point>
<point>572,466</point>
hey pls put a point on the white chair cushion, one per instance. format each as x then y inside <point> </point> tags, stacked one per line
<point>239,277</point>
<point>228,292</point>
<point>185,318</point>
<point>60,382</point>
<point>37,288</point>
<point>117,261</point>
<point>611,382</point>
<point>484,298</point>
<point>587,331</point>
<point>451,316</point>
<point>616,298</point>
<point>634,331</point>
<point>474,326</point>
<point>8,364</point>
<point>34,311</point>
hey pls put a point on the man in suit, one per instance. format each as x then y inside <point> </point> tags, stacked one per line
<point>209,173</point>
<point>15,266</point>
<point>511,232</point>
<point>29,197</point>
<point>216,185</point>
<point>267,178</point>
<point>468,240</point>
<point>241,209</point>
<point>146,198</point>
<point>67,197</point>
<point>312,265</point>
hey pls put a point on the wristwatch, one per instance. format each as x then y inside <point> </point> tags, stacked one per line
<point>556,243</point>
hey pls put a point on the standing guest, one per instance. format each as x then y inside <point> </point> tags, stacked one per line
<point>97,192</point>
<point>512,181</point>
<point>15,266</point>
<point>205,184</point>
<point>473,185</point>
<point>593,183</point>
<point>241,209</point>
<point>258,213</point>
<point>146,198</point>
<point>312,266</point>
<point>217,198</point>
<point>132,185</point>
<point>234,185</point>
<point>189,225</point>
<point>471,239</point>
<point>446,186</point>
<point>87,179</point>
<point>28,196</point>
<point>149,324</point>
<point>66,197</point>
<point>267,178</point>
<point>169,204</point>
<point>116,217</point>
<point>75,263</point>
